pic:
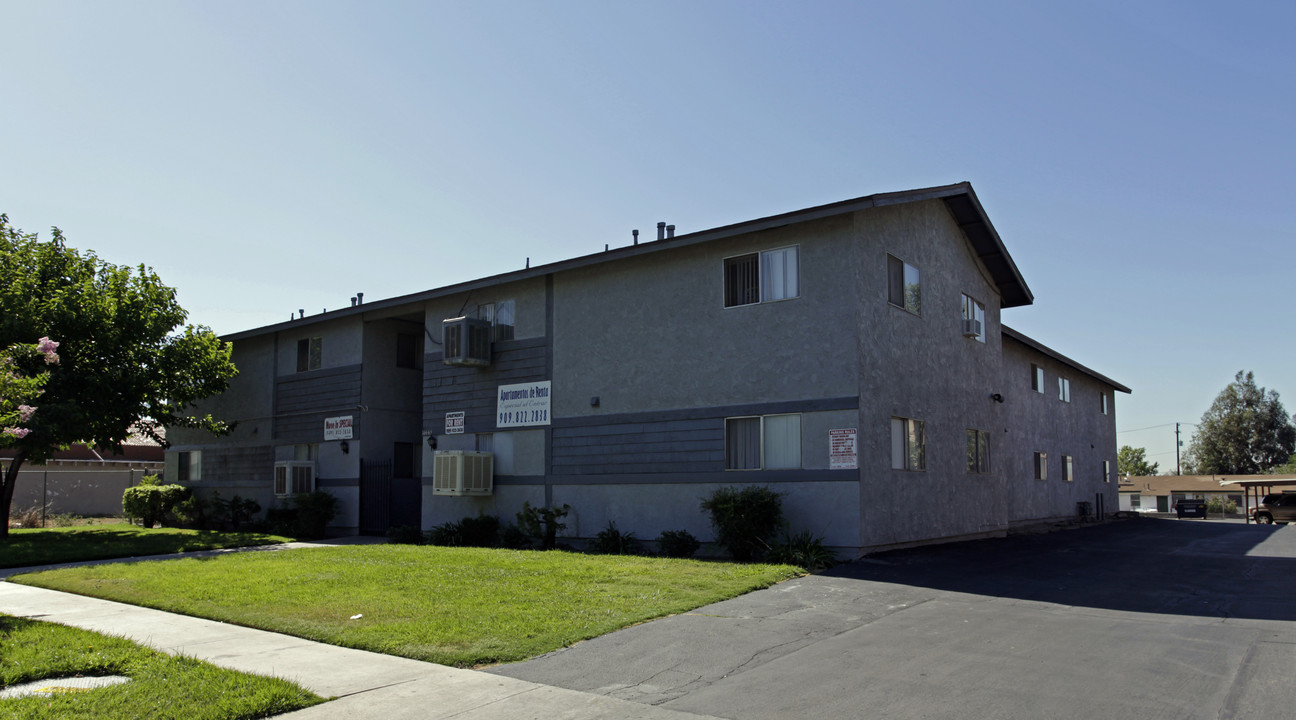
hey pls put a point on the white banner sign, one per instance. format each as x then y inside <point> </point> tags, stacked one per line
<point>454,423</point>
<point>843,452</point>
<point>337,428</point>
<point>522,405</point>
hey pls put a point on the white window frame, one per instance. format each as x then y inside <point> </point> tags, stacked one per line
<point>287,476</point>
<point>907,271</point>
<point>908,444</point>
<point>1068,468</point>
<point>1064,389</point>
<point>1107,471</point>
<point>1041,465</point>
<point>764,439</point>
<point>978,448</point>
<point>974,309</point>
<point>189,466</point>
<point>1037,378</point>
<point>771,265</point>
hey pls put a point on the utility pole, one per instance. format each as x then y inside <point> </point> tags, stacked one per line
<point>1178,442</point>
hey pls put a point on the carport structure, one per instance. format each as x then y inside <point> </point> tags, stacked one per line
<point>1260,488</point>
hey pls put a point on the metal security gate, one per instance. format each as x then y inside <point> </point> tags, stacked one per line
<point>387,501</point>
<point>375,497</point>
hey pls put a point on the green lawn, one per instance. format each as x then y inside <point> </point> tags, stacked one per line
<point>26,548</point>
<point>455,606</point>
<point>161,686</point>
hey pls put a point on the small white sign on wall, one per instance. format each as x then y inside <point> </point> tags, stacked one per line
<point>843,449</point>
<point>454,423</point>
<point>522,404</point>
<point>338,428</point>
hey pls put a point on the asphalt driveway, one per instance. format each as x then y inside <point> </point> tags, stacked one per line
<point>1144,618</point>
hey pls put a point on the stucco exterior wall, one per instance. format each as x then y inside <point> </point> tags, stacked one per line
<point>920,366</point>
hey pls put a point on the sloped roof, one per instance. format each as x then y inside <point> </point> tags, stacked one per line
<point>1167,484</point>
<point>959,198</point>
<point>1041,348</point>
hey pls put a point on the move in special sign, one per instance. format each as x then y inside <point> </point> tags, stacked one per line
<point>337,428</point>
<point>454,423</point>
<point>843,450</point>
<point>522,404</point>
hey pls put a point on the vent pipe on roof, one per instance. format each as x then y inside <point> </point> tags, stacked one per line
<point>359,298</point>
<point>353,301</point>
<point>670,231</point>
<point>528,263</point>
<point>636,236</point>
<point>661,231</point>
<point>301,312</point>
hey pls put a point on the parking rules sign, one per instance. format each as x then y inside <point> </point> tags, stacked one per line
<point>843,452</point>
<point>454,423</point>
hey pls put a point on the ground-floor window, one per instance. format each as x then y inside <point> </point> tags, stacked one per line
<point>1068,468</point>
<point>1041,466</point>
<point>908,444</point>
<point>1136,502</point>
<point>763,442</point>
<point>978,451</point>
<point>190,466</point>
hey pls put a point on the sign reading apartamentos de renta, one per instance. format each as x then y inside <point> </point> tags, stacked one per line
<point>337,428</point>
<point>522,405</point>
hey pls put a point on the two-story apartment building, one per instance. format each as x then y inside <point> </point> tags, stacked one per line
<point>850,356</point>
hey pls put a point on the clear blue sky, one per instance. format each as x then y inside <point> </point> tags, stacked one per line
<point>1137,158</point>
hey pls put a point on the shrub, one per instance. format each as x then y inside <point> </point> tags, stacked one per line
<point>60,520</point>
<point>803,549</point>
<point>611,541</point>
<point>314,512</point>
<point>744,520</point>
<point>150,503</point>
<point>480,531</point>
<point>237,511</point>
<point>512,537</point>
<point>677,543</point>
<point>448,534</point>
<point>197,512</point>
<point>405,535</point>
<point>32,517</point>
<point>1220,505</point>
<point>543,523</point>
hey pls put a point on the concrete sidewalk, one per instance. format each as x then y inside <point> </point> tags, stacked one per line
<point>366,685</point>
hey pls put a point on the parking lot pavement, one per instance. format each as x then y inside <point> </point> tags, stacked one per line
<point>1144,618</point>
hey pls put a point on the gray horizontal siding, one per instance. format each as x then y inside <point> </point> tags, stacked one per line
<point>239,466</point>
<point>303,400</point>
<point>448,388</point>
<point>662,446</point>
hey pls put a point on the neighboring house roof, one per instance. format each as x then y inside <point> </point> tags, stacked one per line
<point>84,453</point>
<point>1171,484</point>
<point>1039,347</point>
<point>959,198</point>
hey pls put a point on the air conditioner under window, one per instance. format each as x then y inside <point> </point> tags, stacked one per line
<point>971,328</point>
<point>460,472</point>
<point>466,341</point>
<point>291,478</point>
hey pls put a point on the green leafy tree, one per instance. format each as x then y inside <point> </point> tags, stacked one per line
<point>124,363</point>
<point>1287,468</point>
<point>1246,431</point>
<point>1132,461</point>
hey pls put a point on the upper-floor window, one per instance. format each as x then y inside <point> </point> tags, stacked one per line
<point>1068,468</point>
<point>190,465</point>
<point>1064,389</point>
<point>761,277</point>
<point>1041,466</point>
<point>903,287</point>
<point>908,444</point>
<point>500,315</point>
<point>1037,378</point>
<point>769,442</point>
<point>973,319</point>
<point>1103,400</point>
<point>309,354</point>
<point>406,350</point>
<point>1106,471</point>
<point>978,451</point>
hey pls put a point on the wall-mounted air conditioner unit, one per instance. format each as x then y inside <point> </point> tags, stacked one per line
<point>971,328</point>
<point>460,472</point>
<point>466,341</point>
<point>291,478</point>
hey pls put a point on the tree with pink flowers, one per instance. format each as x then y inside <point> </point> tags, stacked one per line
<point>91,351</point>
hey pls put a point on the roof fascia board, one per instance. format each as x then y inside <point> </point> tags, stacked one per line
<point>1050,352</point>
